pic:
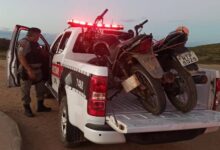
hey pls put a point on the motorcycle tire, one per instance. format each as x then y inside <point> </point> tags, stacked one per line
<point>177,88</point>
<point>150,93</point>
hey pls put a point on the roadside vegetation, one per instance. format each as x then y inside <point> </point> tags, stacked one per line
<point>208,54</point>
<point>4,44</point>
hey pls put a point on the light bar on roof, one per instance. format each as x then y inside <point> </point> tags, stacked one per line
<point>107,25</point>
<point>90,24</point>
<point>82,23</point>
<point>77,23</point>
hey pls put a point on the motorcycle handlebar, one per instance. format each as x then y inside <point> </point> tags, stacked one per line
<point>100,17</point>
<point>105,11</point>
<point>140,25</point>
<point>145,21</point>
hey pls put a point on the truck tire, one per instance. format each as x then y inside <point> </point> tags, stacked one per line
<point>71,136</point>
<point>153,89</point>
<point>183,79</point>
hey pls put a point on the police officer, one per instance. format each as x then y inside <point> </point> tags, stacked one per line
<point>30,70</point>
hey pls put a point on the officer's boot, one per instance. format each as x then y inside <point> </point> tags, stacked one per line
<point>28,111</point>
<point>41,107</point>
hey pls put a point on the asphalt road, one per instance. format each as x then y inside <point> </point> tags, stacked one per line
<point>42,133</point>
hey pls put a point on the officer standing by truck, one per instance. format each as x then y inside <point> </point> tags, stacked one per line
<point>31,73</point>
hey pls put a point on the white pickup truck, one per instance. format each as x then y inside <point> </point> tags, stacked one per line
<point>87,114</point>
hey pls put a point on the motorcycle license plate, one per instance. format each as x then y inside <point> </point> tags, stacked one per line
<point>187,58</point>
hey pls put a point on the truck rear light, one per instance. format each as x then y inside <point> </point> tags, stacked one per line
<point>77,23</point>
<point>96,108</point>
<point>217,94</point>
<point>97,96</point>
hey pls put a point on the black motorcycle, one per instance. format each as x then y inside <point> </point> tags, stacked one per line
<point>132,65</point>
<point>179,62</point>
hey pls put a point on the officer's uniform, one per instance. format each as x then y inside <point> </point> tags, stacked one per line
<point>32,53</point>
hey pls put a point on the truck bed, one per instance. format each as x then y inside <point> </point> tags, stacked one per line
<point>127,103</point>
<point>126,114</point>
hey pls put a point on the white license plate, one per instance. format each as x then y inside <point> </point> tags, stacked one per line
<point>187,58</point>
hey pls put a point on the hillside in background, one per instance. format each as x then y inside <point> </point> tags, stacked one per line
<point>4,44</point>
<point>208,54</point>
<point>48,36</point>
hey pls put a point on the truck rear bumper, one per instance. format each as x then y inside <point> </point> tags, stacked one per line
<point>164,137</point>
<point>105,136</point>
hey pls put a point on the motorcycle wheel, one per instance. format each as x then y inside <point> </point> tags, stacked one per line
<point>150,92</point>
<point>182,93</point>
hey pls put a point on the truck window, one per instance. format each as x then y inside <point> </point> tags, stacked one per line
<point>22,34</point>
<point>56,44</point>
<point>64,42</point>
<point>83,45</point>
<point>78,46</point>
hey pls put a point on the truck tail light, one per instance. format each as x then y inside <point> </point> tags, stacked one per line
<point>97,96</point>
<point>217,94</point>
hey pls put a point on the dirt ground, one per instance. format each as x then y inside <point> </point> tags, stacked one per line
<point>42,133</point>
<point>37,132</point>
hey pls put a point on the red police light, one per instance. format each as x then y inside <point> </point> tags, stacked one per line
<point>99,25</point>
<point>107,25</point>
<point>77,23</point>
<point>90,24</point>
<point>82,23</point>
<point>115,26</point>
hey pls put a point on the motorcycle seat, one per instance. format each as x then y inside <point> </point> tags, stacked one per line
<point>172,38</point>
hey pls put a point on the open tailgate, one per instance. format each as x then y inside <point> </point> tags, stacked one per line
<point>126,115</point>
<point>169,121</point>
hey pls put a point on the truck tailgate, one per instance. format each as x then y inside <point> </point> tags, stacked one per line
<point>125,114</point>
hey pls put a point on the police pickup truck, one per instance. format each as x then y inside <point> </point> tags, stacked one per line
<point>86,113</point>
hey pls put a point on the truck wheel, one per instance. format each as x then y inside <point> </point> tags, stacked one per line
<point>150,92</point>
<point>71,136</point>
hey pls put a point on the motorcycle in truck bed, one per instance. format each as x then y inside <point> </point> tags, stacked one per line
<point>85,111</point>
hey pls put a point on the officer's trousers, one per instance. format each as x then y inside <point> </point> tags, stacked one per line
<point>25,91</point>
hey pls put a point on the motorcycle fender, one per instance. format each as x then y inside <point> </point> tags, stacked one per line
<point>151,64</point>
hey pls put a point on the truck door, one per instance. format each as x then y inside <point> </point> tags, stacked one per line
<point>58,50</point>
<point>12,57</point>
